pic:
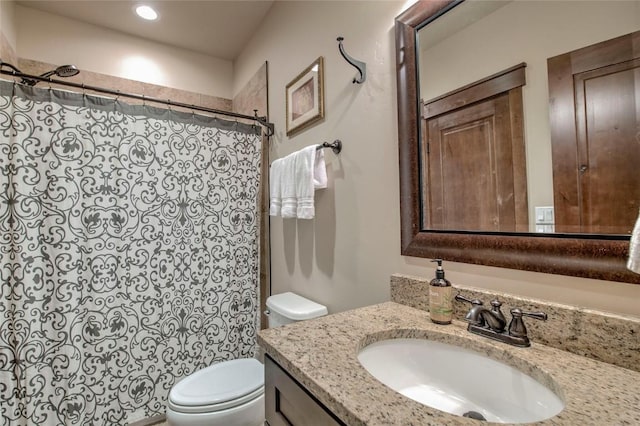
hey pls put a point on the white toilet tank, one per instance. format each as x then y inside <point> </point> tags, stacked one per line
<point>285,308</point>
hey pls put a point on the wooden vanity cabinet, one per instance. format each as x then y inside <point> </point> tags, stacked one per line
<point>287,403</point>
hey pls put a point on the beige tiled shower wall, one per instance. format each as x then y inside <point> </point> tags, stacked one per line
<point>124,85</point>
<point>7,53</point>
<point>253,96</point>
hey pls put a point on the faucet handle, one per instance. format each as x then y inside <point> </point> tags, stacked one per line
<point>495,308</point>
<point>475,302</point>
<point>517,327</point>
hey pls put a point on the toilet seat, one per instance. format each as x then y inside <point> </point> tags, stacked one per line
<point>211,408</point>
<point>220,386</point>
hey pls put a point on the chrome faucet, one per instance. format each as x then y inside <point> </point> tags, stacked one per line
<point>491,322</point>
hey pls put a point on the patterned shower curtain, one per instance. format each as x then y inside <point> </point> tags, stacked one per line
<point>128,253</point>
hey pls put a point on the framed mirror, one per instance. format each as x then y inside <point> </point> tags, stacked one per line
<point>578,252</point>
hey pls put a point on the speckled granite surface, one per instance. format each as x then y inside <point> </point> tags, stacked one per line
<point>322,355</point>
<point>614,339</point>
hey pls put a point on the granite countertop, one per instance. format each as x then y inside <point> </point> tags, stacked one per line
<point>321,354</point>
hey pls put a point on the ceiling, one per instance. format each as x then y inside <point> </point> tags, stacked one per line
<point>216,28</point>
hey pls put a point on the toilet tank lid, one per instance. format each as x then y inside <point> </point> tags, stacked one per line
<point>295,307</point>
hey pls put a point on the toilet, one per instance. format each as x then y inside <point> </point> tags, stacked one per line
<point>231,393</point>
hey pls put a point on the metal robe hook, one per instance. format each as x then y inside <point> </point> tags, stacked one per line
<point>359,65</point>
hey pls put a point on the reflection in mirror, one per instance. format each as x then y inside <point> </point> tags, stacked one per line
<point>463,158</point>
<point>472,153</point>
<point>601,254</point>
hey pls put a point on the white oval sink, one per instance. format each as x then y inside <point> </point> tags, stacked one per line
<point>459,381</point>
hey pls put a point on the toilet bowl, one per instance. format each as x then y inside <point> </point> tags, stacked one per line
<point>231,393</point>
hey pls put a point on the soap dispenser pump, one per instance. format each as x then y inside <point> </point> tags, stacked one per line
<point>440,297</point>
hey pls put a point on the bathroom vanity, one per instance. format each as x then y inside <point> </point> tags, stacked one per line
<point>313,372</point>
<point>287,402</point>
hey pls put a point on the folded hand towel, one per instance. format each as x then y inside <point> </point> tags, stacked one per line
<point>310,174</point>
<point>288,186</point>
<point>633,263</point>
<point>319,170</point>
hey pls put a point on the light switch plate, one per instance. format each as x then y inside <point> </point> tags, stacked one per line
<point>544,216</point>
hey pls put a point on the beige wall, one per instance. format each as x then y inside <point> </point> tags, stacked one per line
<point>344,257</point>
<point>529,32</point>
<point>57,40</point>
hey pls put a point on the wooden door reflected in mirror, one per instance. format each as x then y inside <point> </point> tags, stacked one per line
<point>595,120</point>
<point>474,173</point>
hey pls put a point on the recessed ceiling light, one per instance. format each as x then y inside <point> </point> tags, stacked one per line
<point>147,12</point>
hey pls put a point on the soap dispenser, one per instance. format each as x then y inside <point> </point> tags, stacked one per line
<point>440,300</point>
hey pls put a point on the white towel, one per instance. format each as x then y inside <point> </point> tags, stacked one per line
<point>283,197</point>
<point>633,263</point>
<point>288,186</point>
<point>275,192</point>
<point>293,180</point>
<point>310,174</point>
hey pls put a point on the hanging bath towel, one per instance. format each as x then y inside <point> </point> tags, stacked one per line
<point>310,174</point>
<point>283,200</point>
<point>275,193</point>
<point>294,180</point>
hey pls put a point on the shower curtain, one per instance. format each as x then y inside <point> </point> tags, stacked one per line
<point>128,253</point>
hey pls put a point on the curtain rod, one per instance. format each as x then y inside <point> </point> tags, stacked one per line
<point>260,120</point>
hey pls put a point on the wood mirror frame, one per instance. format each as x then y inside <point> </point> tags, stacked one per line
<point>588,256</point>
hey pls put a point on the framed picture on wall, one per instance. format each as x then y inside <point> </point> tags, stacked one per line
<point>305,98</point>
